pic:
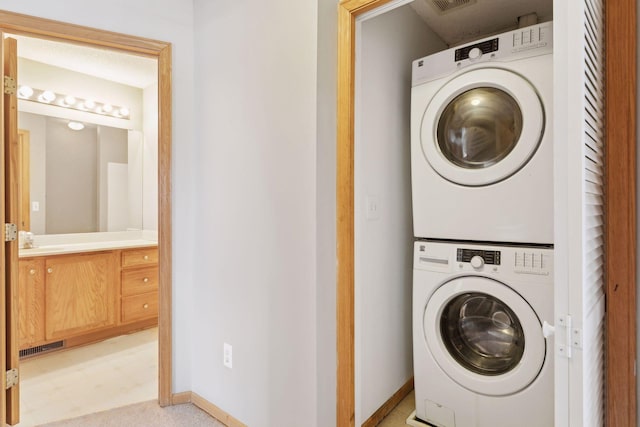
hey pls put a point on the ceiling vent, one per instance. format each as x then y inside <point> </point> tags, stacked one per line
<point>445,6</point>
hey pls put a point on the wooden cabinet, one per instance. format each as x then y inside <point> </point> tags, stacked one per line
<point>81,293</point>
<point>80,298</point>
<point>31,314</point>
<point>139,283</point>
<point>142,257</point>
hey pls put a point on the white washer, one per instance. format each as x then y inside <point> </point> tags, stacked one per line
<point>480,356</point>
<point>481,140</point>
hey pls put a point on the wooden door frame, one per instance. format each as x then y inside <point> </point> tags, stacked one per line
<point>14,23</point>
<point>620,233</point>
<point>620,205</point>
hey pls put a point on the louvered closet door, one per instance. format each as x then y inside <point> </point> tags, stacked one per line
<point>579,212</point>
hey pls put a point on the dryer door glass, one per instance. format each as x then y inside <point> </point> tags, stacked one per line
<point>479,127</point>
<point>482,333</point>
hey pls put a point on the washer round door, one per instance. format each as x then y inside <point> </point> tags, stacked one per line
<point>484,335</point>
<point>482,127</point>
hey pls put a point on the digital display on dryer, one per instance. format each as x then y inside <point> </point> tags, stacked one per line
<point>489,257</point>
<point>485,47</point>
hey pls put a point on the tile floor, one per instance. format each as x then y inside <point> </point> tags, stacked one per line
<point>109,374</point>
<point>398,417</point>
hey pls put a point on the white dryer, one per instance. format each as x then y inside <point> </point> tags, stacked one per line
<point>481,140</point>
<point>480,356</point>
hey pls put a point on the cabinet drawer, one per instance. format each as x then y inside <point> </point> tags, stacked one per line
<point>139,257</point>
<point>138,307</point>
<point>139,280</point>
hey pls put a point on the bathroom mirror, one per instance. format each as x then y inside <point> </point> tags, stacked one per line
<point>84,180</point>
<point>90,119</point>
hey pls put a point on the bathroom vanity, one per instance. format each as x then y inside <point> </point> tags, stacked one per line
<point>73,294</point>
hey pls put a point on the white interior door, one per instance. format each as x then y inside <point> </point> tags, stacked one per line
<point>579,212</point>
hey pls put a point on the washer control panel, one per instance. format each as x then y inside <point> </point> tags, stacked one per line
<point>529,261</point>
<point>475,256</point>
<point>533,263</point>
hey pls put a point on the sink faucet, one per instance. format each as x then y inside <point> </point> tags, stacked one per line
<point>27,239</point>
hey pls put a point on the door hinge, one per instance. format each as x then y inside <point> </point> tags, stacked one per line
<point>572,338</point>
<point>12,378</point>
<point>10,85</point>
<point>10,232</point>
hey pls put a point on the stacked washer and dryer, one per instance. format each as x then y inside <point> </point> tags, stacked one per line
<point>482,187</point>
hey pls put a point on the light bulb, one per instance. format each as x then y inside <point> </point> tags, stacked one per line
<point>75,125</point>
<point>47,96</point>
<point>107,108</point>
<point>89,104</point>
<point>25,92</point>
<point>124,111</point>
<point>70,100</point>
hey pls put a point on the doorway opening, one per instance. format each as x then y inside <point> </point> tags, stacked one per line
<point>160,53</point>
<point>620,236</point>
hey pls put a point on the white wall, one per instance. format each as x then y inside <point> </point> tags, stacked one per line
<point>170,21</point>
<point>255,285</point>
<point>326,213</point>
<point>387,44</point>
<point>249,230</point>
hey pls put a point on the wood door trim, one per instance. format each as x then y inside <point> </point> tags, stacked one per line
<point>620,204</point>
<point>12,197</point>
<point>48,29</point>
<point>3,264</point>
<point>620,233</point>
<point>348,10</point>
<point>17,23</point>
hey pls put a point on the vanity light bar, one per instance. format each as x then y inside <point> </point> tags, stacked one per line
<point>68,101</point>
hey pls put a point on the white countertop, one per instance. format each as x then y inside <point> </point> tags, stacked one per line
<point>87,242</point>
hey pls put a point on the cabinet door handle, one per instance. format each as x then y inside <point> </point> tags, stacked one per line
<point>49,270</point>
<point>145,280</point>
<point>145,306</point>
<point>32,271</point>
<point>146,257</point>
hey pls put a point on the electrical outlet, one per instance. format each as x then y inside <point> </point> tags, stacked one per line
<point>228,356</point>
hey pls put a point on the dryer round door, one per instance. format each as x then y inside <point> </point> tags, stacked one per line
<point>484,335</point>
<point>482,127</point>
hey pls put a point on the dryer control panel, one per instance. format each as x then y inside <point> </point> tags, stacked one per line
<point>514,45</point>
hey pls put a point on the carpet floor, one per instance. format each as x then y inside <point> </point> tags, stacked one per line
<point>146,414</point>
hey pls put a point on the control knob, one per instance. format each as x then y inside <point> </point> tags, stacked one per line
<point>477,262</point>
<point>475,53</point>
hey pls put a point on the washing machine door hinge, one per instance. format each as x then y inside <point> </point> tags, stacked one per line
<point>572,337</point>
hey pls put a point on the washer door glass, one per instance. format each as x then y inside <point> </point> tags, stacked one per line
<point>482,333</point>
<point>479,127</point>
